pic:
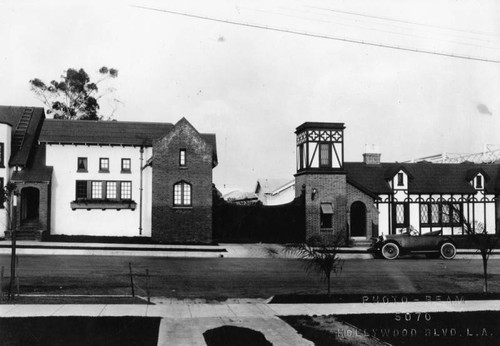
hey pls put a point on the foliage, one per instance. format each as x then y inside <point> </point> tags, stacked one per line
<point>320,255</point>
<point>479,239</point>
<point>484,242</point>
<point>6,193</point>
<point>75,96</point>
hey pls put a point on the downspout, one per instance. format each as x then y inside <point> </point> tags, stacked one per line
<point>140,191</point>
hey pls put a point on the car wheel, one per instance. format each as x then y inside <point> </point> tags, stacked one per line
<point>390,251</point>
<point>448,250</point>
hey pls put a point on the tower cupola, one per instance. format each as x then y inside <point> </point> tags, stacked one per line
<point>320,147</point>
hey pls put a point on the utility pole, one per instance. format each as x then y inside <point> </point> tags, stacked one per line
<point>13,240</point>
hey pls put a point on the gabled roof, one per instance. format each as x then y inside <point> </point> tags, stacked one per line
<point>37,171</point>
<point>12,115</point>
<point>428,178</point>
<point>473,172</point>
<point>271,185</point>
<point>102,132</point>
<point>392,171</point>
<point>110,133</point>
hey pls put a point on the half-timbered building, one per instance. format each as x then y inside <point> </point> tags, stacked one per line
<point>370,198</point>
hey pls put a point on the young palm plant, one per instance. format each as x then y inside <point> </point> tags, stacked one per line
<point>320,255</point>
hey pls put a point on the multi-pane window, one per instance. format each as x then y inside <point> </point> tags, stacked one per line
<point>325,155</point>
<point>182,157</point>
<point>126,166</point>
<point>103,164</point>
<point>81,189</point>
<point>401,214</point>
<point>111,189</point>
<point>82,164</point>
<point>96,190</point>
<point>182,194</point>
<point>126,190</point>
<point>99,189</point>
<point>441,214</point>
<point>2,163</point>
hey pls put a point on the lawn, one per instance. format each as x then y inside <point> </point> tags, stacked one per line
<point>223,278</point>
<point>437,328</point>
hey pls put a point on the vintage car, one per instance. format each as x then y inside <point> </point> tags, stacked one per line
<point>409,241</point>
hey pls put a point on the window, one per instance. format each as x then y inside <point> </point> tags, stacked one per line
<point>182,194</point>
<point>81,189</point>
<point>326,214</point>
<point>2,163</point>
<point>401,214</point>
<point>325,155</point>
<point>1,186</point>
<point>126,190</point>
<point>400,179</point>
<point>441,214</point>
<point>126,166</point>
<point>97,190</point>
<point>301,156</point>
<point>182,157</point>
<point>104,164</point>
<point>479,182</point>
<point>82,164</point>
<point>111,189</point>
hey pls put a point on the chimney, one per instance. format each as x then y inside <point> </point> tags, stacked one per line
<point>371,155</point>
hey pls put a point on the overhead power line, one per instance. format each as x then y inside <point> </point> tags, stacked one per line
<point>317,35</point>
<point>408,22</point>
<point>375,29</point>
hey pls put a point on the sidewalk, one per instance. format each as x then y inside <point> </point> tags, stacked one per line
<point>184,323</point>
<point>254,250</point>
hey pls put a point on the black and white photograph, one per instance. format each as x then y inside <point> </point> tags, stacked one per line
<point>249,172</point>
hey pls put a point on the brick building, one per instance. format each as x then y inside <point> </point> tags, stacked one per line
<point>108,178</point>
<point>370,198</point>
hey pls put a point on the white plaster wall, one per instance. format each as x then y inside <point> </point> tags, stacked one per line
<point>383,218</point>
<point>107,222</point>
<point>315,158</point>
<point>337,147</point>
<point>5,138</point>
<point>415,215</point>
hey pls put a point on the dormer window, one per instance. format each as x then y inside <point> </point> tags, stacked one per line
<point>479,182</point>
<point>401,181</point>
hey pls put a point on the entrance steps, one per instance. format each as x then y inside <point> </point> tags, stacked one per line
<point>28,231</point>
<point>361,242</point>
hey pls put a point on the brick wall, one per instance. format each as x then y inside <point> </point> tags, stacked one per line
<point>331,188</point>
<point>354,195</point>
<point>43,207</point>
<point>187,224</point>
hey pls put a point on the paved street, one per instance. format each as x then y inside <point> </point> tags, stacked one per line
<point>222,278</point>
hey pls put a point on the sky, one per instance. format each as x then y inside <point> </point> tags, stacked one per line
<point>252,71</point>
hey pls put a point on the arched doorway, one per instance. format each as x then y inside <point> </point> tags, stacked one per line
<point>30,205</point>
<point>358,219</point>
